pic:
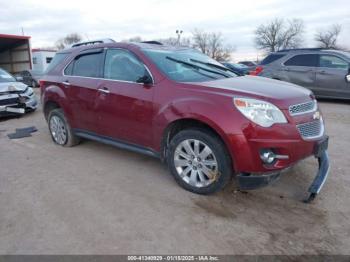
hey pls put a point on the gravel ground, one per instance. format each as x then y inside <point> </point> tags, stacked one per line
<point>96,199</point>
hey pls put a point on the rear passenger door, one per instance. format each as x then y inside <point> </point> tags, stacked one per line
<point>330,77</point>
<point>82,77</point>
<point>125,107</point>
<point>301,70</point>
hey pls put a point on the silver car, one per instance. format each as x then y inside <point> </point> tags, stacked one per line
<point>15,97</point>
<point>325,72</point>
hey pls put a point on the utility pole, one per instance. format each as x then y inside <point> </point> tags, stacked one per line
<point>178,32</point>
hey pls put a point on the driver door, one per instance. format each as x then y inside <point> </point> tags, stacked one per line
<point>125,107</point>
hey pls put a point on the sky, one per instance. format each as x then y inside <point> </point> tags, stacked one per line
<point>46,21</point>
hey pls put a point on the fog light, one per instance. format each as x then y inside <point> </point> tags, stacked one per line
<point>267,156</point>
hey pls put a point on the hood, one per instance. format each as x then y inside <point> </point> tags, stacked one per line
<point>277,92</point>
<point>12,87</point>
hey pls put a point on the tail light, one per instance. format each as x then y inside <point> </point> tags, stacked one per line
<point>256,71</point>
<point>42,86</point>
<point>41,83</point>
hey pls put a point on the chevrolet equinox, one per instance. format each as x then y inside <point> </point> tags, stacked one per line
<point>181,106</point>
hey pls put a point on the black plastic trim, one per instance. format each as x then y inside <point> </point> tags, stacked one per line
<point>116,142</point>
<point>249,181</point>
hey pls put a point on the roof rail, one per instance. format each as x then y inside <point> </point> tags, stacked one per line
<point>93,42</point>
<point>301,49</point>
<point>152,42</point>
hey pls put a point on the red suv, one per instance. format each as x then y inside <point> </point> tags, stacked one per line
<point>183,107</point>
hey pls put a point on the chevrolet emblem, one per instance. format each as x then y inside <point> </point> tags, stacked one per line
<point>316,115</point>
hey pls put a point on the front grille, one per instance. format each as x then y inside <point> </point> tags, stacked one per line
<point>10,101</point>
<point>311,130</point>
<point>303,108</point>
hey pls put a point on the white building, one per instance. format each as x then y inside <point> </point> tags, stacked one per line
<point>42,58</point>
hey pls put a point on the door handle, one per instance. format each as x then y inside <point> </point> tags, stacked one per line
<point>104,90</point>
<point>322,72</point>
<point>66,83</point>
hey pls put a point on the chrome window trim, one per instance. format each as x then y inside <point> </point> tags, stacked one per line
<point>109,79</point>
<point>304,112</point>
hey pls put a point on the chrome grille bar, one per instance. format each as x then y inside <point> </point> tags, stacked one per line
<point>303,108</point>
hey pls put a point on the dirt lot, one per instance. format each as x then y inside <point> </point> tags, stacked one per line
<point>96,199</point>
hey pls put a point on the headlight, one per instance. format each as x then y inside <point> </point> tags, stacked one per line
<point>29,91</point>
<point>260,112</point>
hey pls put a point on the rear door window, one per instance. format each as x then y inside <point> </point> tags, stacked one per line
<point>331,61</point>
<point>88,65</point>
<point>303,60</point>
<point>271,58</point>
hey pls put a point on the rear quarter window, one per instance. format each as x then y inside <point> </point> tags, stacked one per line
<point>57,59</point>
<point>271,58</point>
<point>88,65</point>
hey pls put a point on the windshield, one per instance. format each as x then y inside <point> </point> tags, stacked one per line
<point>188,65</point>
<point>6,77</point>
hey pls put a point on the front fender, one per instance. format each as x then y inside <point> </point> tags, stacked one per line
<point>219,115</point>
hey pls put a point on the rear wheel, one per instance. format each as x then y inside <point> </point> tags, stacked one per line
<point>199,161</point>
<point>60,130</point>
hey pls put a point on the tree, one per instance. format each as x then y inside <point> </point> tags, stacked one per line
<point>328,38</point>
<point>279,34</point>
<point>173,41</point>
<point>68,40</point>
<point>212,44</point>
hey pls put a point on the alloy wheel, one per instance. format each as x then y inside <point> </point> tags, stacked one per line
<point>195,163</point>
<point>58,130</point>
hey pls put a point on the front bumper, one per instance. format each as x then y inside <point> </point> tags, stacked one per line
<point>248,181</point>
<point>17,103</point>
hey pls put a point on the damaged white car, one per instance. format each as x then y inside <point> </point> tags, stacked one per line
<point>15,97</point>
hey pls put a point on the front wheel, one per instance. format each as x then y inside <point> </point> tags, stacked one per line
<point>199,161</point>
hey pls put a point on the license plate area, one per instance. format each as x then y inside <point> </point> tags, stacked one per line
<point>321,146</point>
<point>15,110</point>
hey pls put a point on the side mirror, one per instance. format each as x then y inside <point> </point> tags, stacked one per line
<point>146,79</point>
<point>347,78</point>
<point>19,78</point>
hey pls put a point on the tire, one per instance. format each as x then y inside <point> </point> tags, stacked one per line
<point>68,139</point>
<point>209,178</point>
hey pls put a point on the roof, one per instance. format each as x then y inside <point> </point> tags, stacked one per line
<point>307,50</point>
<point>14,36</point>
<point>157,46</point>
<point>43,50</point>
<point>303,49</point>
<point>141,45</point>
<point>11,40</point>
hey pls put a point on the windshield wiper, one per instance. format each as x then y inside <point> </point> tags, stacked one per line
<point>195,66</point>
<point>210,64</point>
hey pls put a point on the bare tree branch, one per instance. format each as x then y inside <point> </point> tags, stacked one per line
<point>212,44</point>
<point>68,40</point>
<point>279,34</point>
<point>328,38</point>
